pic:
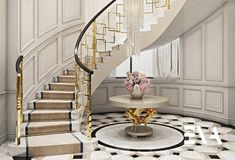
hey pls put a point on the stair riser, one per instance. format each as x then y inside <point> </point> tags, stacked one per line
<point>65,96</point>
<point>71,72</point>
<point>54,150</point>
<point>49,106</point>
<point>66,79</point>
<point>47,117</point>
<point>61,87</point>
<point>34,131</point>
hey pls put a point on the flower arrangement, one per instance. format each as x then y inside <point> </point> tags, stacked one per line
<point>136,81</point>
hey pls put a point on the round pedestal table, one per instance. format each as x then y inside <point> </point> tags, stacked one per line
<point>140,111</point>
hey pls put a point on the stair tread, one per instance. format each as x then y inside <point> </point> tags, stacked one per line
<point>62,83</point>
<point>67,76</point>
<point>54,91</point>
<point>52,140</point>
<point>46,111</point>
<point>52,101</point>
<point>47,123</point>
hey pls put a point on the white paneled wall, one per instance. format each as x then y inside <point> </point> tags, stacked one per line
<point>45,32</point>
<point>204,89</point>
<point>3,92</point>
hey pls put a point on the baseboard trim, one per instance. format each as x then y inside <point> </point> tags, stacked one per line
<point>11,136</point>
<point>3,138</point>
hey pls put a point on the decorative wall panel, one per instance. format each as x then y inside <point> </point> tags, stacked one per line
<point>100,96</point>
<point>120,91</point>
<point>26,23</point>
<point>47,59</point>
<point>150,91</point>
<point>72,10</point>
<point>193,98</point>
<point>29,72</point>
<point>214,49</point>
<point>172,94</point>
<point>47,16</point>
<point>214,101</point>
<point>193,55</point>
<point>69,41</point>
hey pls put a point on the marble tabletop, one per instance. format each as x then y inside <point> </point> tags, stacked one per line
<point>147,101</point>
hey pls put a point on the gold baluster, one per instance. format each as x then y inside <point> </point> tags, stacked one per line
<point>19,102</point>
<point>89,129</point>
<point>168,4</point>
<point>21,93</point>
<point>94,47</point>
<point>76,87</point>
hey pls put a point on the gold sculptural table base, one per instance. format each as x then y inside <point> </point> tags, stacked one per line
<point>139,116</point>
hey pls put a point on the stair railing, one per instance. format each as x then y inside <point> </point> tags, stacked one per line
<point>78,60</point>
<point>90,41</point>
<point>19,97</point>
<point>83,60</point>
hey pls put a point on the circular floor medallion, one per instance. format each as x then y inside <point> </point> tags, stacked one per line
<point>164,137</point>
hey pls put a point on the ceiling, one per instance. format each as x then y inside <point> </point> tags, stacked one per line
<point>193,12</point>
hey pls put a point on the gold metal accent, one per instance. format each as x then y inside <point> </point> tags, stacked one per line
<point>98,40</point>
<point>137,119</point>
<point>89,129</point>
<point>168,4</point>
<point>94,45</point>
<point>76,87</point>
<point>19,102</point>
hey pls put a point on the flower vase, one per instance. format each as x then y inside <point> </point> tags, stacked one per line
<point>136,92</point>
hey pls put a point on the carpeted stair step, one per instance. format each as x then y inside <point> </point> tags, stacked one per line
<point>44,128</point>
<point>70,72</point>
<point>49,115</point>
<point>61,86</point>
<point>66,78</point>
<point>68,95</point>
<point>56,144</point>
<point>51,145</point>
<point>51,104</point>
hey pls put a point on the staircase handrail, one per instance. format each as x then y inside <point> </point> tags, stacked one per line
<point>76,56</point>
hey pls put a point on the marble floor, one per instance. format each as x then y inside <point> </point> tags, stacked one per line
<point>198,143</point>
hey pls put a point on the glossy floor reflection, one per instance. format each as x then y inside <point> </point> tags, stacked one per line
<point>197,151</point>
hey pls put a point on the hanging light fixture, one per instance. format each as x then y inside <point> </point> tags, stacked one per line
<point>134,12</point>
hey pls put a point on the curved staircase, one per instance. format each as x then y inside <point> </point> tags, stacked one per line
<point>51,123</point>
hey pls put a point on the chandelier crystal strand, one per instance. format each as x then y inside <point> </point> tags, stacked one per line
<point>134,11</point>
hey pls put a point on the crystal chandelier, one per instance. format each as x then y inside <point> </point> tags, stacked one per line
<point>134,12</point>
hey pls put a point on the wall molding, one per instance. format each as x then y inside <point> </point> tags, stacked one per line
<point>50,28</point>
<point>64,59</point>
<point>192,106</point>
<point>52,67</point>
<point>219,110</point>
<point>3,92</point>
<point>34,70</point>
<point>23,46</point>
<point>106,100</point>
<point>178,95</point>
<point>44,40</point>
<point>186,35</point>
<point>221,78</point>
<point>3,138</point>
<point>79,17</point>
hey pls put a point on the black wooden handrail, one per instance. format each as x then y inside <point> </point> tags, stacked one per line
<point>77,59</point>
<point>18,62</point>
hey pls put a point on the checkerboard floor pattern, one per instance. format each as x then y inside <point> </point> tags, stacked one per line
<point>197,151</point>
